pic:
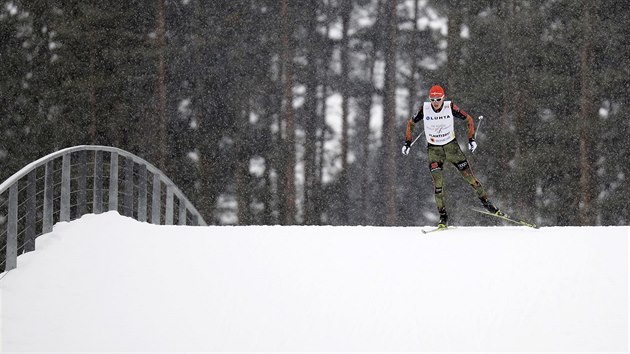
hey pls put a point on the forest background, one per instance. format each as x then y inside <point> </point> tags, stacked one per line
<point>294,111</point>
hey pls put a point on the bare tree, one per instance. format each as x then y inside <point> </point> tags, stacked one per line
<point>453,39</point>
<point>414,50</point>
<point>310,107</point>
<point>363,126</point>
<point>586,114</point>
<point>161,87</point>
<point>288,113</point>
<point>389,118</point>
<point>346,9</point>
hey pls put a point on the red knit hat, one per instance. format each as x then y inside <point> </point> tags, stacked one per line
<point>436,91</point>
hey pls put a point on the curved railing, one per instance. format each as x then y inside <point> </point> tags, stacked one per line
<point>80,180</point>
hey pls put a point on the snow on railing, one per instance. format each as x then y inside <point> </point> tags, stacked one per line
<point>72,182</point>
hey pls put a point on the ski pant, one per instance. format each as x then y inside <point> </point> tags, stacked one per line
<point>451,152</point>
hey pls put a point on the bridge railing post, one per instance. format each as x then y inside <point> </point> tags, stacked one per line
<point>11,255</point>
<point>128,196</point>
<point>82,184</point>
<point>47,218</point>
<point>168,214</point>
<point>31,211</point>
<point>113,182</point>
<point>155,200</point>
<point>64,206</point>
<point>142,193</point>
<point>97,202</point>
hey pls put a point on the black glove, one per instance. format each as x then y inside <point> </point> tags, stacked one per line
<point>405,149</point>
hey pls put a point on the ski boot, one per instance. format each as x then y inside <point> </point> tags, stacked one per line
<point>491,208</point>
<point>443,223</point>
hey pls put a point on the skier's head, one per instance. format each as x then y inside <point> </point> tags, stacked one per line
<point>436,95</point>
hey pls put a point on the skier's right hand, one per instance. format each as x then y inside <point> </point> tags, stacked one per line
<point>406,148</point>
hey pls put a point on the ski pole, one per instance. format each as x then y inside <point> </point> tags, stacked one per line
<point>476,131</point>
<point>414,140</point>
<point>478,126</point>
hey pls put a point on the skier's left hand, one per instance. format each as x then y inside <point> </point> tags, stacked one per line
<point>472,145</point>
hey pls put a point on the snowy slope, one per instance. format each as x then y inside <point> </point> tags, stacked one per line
<point>111,284</point>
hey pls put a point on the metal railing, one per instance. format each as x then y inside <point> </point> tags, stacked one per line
<point>72,182</point>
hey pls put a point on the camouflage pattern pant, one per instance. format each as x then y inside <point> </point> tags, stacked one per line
<point>453,154</point>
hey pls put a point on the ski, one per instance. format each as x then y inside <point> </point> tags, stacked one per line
<point>507,218</point>
<point>437,229</point>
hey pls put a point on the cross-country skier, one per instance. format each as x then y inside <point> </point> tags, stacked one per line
<point>439,130</point>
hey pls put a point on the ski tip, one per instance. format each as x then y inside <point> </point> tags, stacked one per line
<point>507,218</point>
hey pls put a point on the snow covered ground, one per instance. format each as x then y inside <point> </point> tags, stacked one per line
<point>107,283</point>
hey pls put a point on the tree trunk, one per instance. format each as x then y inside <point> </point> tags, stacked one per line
<point>586,116</point>
<point>346,8</point>
<point>310,107</point>
<point>242,177</point>
<point>326,56</point>
<point>364,137</point>
<point>288,114</point>
<point>452,49</point>
<point>503,151</point>
<point>206,136</point>
<point>94,137</point>
<point>413,48</point>
<point>389,118</point>
<point>161,87</point>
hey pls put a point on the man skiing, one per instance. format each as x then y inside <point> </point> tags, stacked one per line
<point>439,130</point>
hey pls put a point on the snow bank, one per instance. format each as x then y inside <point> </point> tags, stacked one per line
<point>108,283</point>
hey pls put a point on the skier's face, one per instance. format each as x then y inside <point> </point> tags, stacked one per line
<point>437,102</point>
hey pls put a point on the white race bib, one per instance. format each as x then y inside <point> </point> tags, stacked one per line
<point>439,127</point>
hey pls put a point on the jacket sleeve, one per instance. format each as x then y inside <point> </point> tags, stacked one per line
<point>411,122</point>
<point>461,114</point>
<point>409,131</point>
